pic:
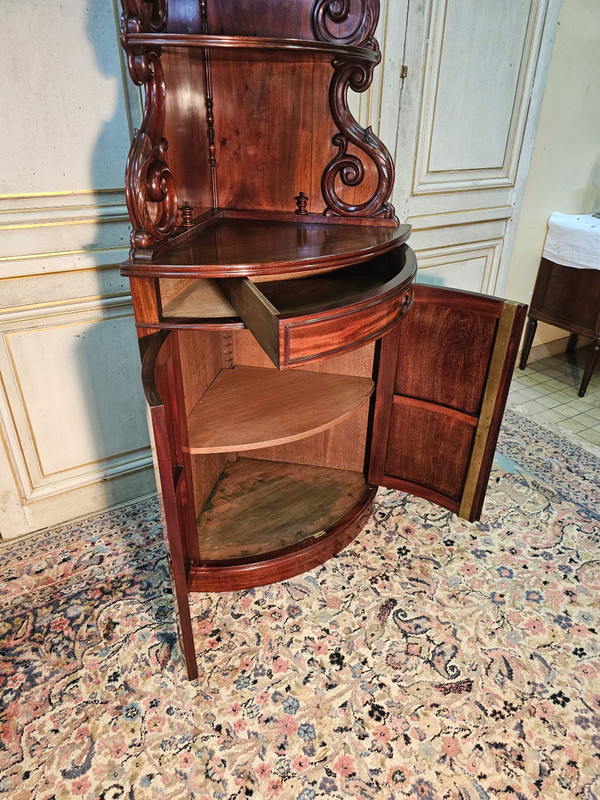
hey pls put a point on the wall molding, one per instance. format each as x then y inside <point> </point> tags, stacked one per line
<point>490,251</point>
<point>84,229</point>
<point>34,478</point>
<point>427,180</point>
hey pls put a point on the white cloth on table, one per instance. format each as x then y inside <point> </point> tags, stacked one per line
<point>573,240</point>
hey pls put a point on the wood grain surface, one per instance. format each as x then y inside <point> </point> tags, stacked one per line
<point>250,407</point>
<point>259,507</point>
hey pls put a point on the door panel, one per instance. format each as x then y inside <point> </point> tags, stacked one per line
<point>443,378</point>
<point>455,341</point>
<point>459,91</point>
<point>430,447</point>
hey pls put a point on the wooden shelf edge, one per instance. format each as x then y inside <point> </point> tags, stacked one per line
<point>244,405</point>
<point>234,45</point>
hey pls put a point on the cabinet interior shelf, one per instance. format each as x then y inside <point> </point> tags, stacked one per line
<point>224,246</point>
<point>252,47</point>
<point>251,407</point>
<point>260,507</point>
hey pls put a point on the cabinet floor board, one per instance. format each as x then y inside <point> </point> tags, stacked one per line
<point>258,507</point>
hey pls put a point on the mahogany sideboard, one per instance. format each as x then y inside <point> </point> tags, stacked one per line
<point>290,365</point>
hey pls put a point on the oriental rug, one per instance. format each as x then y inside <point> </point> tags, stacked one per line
<point>431,659</point>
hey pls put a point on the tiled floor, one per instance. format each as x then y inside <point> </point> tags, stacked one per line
<point>546,391</point>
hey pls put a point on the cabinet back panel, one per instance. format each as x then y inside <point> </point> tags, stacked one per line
<point>260,18</point>
<point>273,133</point>
<point>185,127</point>
<point>341,447</point>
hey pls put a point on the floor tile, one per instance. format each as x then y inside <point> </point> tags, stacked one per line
<point>572,425</point>
<point>548,389</point>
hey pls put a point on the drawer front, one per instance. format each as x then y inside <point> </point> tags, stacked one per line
<point>297,321</point>
<point>330,333</point>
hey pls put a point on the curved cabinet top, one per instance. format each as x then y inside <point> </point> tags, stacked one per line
<point>233,247</point>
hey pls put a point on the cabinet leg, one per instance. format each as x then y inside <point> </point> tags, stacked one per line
<point>590,366</point>
<point>527,341</point>
<point>183,617</point>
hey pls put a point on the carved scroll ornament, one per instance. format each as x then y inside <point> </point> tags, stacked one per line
<point>346,166</point>
<point>326,14</point>
<point>150,190</point>
<point>151,15</point>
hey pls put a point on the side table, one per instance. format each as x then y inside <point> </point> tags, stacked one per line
<point>567,288</point>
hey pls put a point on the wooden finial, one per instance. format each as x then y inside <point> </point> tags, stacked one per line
<point>301,201</point>
<point>187,212</point>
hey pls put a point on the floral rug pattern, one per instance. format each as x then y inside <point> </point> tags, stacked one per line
<point>431,659</point>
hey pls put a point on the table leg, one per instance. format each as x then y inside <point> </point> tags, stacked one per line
<point>590,365</point>
<point>527,341</point>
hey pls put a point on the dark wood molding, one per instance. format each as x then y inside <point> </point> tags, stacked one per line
<point>327,15</point>
<point>148,180</point>
<point>147,16</point>
<point>348,167</point>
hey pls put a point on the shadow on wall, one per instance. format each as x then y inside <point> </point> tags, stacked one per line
<point>107,346</point>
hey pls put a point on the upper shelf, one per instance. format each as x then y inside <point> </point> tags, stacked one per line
<point>229,247</point>
<point>252,47</point>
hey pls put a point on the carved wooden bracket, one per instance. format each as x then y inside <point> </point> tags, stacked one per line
<point>356,75</point>
<point>150,190</point>
<point>346,166</point>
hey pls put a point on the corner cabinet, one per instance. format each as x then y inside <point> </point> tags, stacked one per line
<point>289,364</point>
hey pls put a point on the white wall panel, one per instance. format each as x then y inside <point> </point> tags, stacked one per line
<point>469,266</point>
<point>73,436</point>
<point>479,71</point>
<point>68,375</point>
<point>465,117</point>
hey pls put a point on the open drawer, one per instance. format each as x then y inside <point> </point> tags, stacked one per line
<point>303,319</point>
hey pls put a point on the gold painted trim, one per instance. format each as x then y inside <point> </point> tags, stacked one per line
<point>61,193</point>
<point>91,299</point>
<point>97,267</point>
<point>53,253</point>
<point>19,477</point>
<point>62,209</point>
<point>505,326</point>
<point>17,226</point>
<point>85,465</point>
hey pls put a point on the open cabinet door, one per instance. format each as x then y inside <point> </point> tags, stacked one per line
<point>443,378</point>
<point>158,380</point>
